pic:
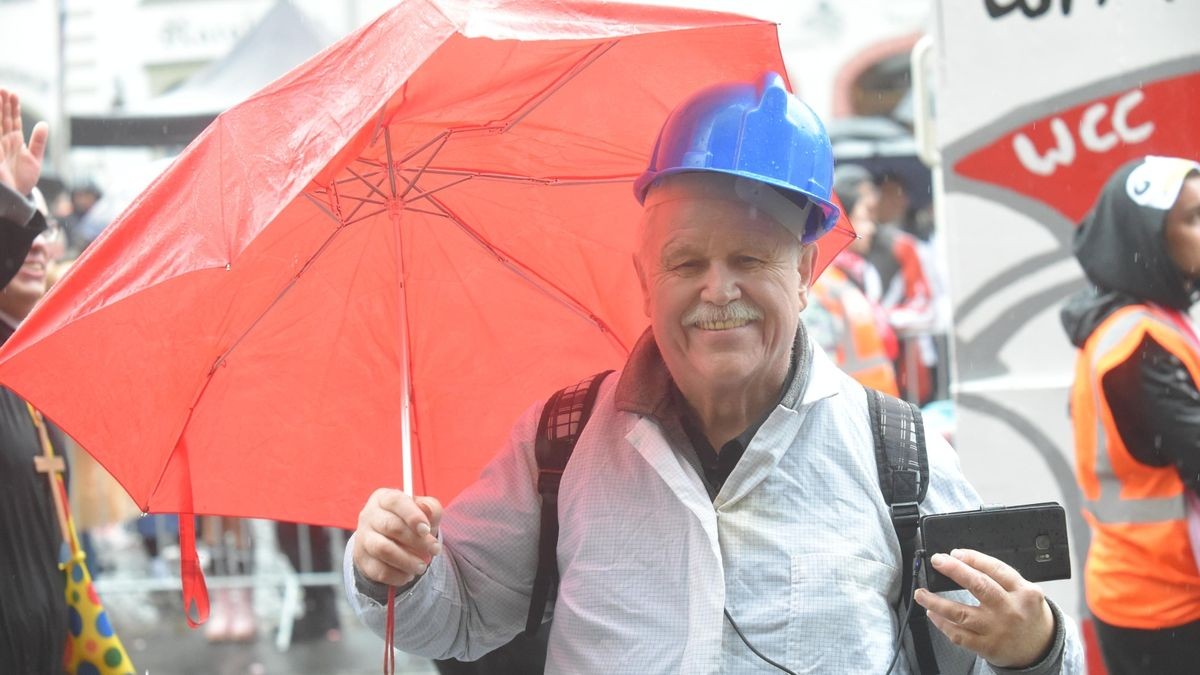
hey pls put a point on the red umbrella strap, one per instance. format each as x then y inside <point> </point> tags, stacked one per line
<point>195,591</point>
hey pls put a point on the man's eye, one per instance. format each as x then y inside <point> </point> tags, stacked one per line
<point>687,265</point>
<point>748,260</point>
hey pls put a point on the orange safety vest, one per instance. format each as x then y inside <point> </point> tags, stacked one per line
<point>860,351</point>
<point>1140,572</point>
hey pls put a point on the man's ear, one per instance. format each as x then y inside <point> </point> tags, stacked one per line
<point>807,267</point>
<point>641,275</point>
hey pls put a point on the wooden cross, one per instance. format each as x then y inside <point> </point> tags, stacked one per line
<point>53,466</point>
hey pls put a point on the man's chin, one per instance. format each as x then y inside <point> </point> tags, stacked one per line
<point>726,370</point>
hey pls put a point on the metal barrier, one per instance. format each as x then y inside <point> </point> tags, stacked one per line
<point>128,571</point>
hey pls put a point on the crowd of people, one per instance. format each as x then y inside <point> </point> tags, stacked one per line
<point>730,432</point>
<point>876,308</point>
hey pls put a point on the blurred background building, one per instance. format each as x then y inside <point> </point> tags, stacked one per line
<point>164,67</point>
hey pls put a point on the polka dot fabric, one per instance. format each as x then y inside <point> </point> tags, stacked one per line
<point>93,647</point>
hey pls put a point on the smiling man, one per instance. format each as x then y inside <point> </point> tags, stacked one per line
<point>28,285</point>
<point>33,609</point>
<point>724,285</point>
<point>721,511</point>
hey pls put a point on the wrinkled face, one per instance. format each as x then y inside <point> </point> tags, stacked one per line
<point>863,217</point>
<point>1182,230</point>
<point>724,285</point>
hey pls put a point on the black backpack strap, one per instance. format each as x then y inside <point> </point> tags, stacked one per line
<point>903,466</point>
<point>561,424</point>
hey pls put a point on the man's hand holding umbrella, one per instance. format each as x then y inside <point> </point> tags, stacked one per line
<point>397,536</point>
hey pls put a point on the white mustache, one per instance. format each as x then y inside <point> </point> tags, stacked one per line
<point>736,311</point>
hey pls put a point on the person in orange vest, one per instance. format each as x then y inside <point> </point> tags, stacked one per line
<point>907,290</point>
<point>848,331</point>
<point>847,324</point>
<point>1135,407</point>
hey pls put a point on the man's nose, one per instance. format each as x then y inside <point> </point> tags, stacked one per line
<point>720,285</point>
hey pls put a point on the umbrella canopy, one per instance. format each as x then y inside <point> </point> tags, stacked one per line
<point>403,242</point>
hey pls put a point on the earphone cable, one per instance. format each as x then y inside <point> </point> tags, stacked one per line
<point>757,653</point>
<point>907,615</point>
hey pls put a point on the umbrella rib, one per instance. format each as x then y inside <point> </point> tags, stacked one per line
<point>361,200</point>
<point>429,213</point>
<point>358,177</point>
<point>324,209</point>
<point>364,200</point>
<point>284,291</point>
<point>529,179</point>
<point>549,288</point>
<point>162,473</point>
<point>440,137</point>
<point>387,144</point>
<point>532,104</point>
<point>362,218</point>
<point>420,172</point>
<point>364,181</point>
<point>379,123</point>
<point>425,193</point>
<point>374,163</point>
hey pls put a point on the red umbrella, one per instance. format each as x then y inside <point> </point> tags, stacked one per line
<point>362,274</point>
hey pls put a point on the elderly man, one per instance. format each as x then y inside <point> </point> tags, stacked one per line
<point>722,505</point>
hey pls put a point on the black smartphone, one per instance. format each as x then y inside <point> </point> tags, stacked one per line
<point>1031,538</point>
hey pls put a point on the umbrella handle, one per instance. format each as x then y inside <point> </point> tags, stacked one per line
<point>389,634</point>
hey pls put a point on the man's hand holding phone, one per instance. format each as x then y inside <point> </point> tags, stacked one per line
<point>1012,627</point>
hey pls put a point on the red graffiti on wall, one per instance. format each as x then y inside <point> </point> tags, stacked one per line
<point>1064,158</point>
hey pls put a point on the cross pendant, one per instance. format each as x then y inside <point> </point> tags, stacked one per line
<point>53,466</point>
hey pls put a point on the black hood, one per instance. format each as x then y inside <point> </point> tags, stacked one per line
<point>1122,249</point>
<point>1087,309</point>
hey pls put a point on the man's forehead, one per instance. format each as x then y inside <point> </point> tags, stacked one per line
<point>693,191</point>
<point>746,233</point>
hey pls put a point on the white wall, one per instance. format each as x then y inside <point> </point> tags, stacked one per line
<point>819,37</point>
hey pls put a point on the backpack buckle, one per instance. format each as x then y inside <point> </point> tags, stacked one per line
<point>906,515</point>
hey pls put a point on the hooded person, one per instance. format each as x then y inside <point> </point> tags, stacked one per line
<point>1135,407</point>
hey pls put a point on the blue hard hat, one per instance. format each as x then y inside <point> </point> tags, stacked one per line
<point>761,133</point>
